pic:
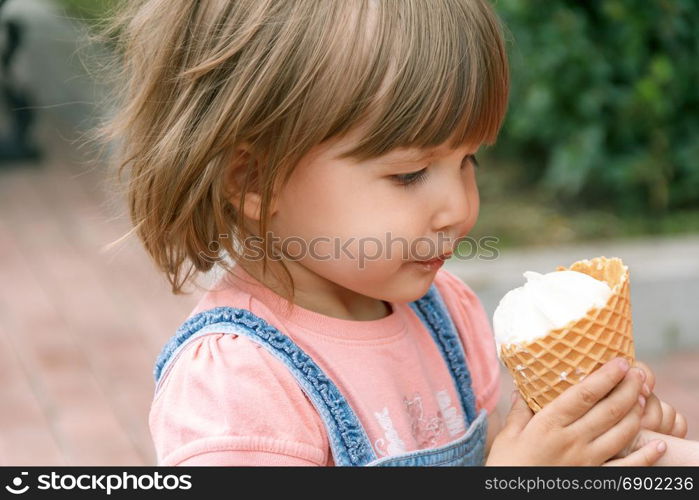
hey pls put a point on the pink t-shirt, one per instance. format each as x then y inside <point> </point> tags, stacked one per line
<point>227,401</point>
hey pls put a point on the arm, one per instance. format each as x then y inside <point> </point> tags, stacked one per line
<point>494,427</point>
<point>232,458</point>
<point>679,451</point>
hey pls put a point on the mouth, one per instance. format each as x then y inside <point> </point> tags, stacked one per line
<point>440,258</point>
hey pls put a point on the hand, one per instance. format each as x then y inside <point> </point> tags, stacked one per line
<point>588,424</point>
<point>659,416</point>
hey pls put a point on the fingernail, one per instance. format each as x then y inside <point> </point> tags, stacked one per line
<point>642,401</point>
<point>661,446</point>
<point>623,364</point>
<point>514,396</point>
<point>646,390</point>
<point>643,374</point>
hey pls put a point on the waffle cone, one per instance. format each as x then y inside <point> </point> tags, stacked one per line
<point>544,368</point>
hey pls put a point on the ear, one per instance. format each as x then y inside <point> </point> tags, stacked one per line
<point>244,164</point>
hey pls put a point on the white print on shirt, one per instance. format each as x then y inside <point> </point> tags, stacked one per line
<point>453,416</point>
<point>425,431</point>
<point>395,444</point>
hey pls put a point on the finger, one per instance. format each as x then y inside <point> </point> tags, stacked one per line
<point>643,457</point>
<point>619,436</point>
<point>636,442</point>
<point>520,413</point>
<point>668,419</point>
<point>652,414</point>
<point>613,408</point>
<point>650,376</point>
<point>680,428</point>
<point>577,400</point>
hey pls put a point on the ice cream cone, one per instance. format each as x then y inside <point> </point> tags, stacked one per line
<point>543,368</point>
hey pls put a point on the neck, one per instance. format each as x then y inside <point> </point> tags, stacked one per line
<point>318,294</point>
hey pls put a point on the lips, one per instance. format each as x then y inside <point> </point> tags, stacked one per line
<point>442,257</point>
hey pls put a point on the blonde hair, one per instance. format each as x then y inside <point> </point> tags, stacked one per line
<point>200,78</point>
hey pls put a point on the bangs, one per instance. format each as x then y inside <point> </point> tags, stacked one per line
<point>435,71</point>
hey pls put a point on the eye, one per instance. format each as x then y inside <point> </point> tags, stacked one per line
<point>411,178</point>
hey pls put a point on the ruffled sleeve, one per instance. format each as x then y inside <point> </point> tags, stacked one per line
<point>227,401</point>
<point>476,334</point>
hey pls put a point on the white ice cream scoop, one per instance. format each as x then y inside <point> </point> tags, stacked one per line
<point>546,302</point>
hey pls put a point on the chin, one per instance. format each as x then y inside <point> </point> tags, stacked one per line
<point>412,293</point>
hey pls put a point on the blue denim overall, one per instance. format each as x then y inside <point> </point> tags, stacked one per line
<point>348,439</point>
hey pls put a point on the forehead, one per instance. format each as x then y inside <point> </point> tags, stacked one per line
<point>341,145</point>
<point>414,155</point>
<point>418,153</point>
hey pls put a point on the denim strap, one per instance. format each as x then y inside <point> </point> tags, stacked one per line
<point>433,312</point>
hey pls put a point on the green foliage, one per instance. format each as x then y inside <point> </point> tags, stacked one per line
<point>604,106</point>
<point>90,11</point>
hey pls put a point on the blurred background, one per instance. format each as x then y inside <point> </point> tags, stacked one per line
<point>599,155</point>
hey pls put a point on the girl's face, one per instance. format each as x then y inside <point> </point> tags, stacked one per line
<point>358,227</point>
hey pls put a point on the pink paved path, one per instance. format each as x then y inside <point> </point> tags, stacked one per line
<point>80,329</point>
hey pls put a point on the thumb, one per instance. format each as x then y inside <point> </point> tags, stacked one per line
<point>520,413</point>
<point>644,456</point>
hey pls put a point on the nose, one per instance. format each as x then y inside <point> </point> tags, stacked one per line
<point>458,204</point>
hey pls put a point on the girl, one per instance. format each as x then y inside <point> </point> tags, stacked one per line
<point>321,154</point>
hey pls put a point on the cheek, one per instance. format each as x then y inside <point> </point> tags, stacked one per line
<point>346,229</point>
<point>326,205</point>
